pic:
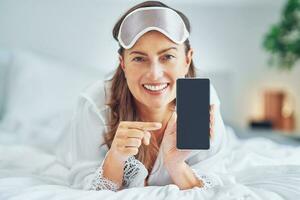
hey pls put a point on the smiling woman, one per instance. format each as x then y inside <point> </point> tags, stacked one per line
<point>135,122</point>
<point>123,132</point>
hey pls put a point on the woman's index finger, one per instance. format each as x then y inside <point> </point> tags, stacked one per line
<point>142,125</point>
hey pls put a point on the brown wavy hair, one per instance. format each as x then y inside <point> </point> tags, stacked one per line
<point>121,101</point>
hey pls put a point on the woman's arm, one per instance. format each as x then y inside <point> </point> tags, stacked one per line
<point>182,174</point>
<point>109,175</point>
<point>113,168</point>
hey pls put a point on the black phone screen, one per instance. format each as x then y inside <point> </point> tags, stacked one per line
<point>192,106</point>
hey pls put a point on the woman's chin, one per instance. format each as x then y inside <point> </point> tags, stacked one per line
<point>156,104</point>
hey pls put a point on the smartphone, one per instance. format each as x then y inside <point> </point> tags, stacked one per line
<point>193,118</point>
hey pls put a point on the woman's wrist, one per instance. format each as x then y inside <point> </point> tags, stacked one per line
<point>113,167</point>
<point>116,156</point>
<point>171,161</point>
<point>174,167</point>
<point>182,175</point>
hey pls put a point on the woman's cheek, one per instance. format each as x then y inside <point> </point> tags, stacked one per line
<point>173,90</point>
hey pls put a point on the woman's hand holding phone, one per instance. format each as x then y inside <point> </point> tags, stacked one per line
<point>171,154</point>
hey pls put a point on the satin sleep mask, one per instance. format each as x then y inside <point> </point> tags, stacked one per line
<point>142,20</point>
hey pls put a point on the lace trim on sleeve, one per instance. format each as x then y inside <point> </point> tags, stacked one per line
<point>102,183</point>
<point>207,180</point>
<point>132,168</point>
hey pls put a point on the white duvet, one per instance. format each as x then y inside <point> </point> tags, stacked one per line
<point>32,172</point>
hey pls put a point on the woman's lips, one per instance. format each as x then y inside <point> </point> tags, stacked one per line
<point>156,92</point>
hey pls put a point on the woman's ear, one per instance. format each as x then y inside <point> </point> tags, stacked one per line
<point>121,62</point>
<point>189,57</point>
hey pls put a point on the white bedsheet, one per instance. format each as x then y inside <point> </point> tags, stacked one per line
<point>262,170</point>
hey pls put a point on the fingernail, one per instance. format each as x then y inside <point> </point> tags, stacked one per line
<point>147,142</point>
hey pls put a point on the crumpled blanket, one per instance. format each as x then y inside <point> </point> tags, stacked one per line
<point>261,169</point>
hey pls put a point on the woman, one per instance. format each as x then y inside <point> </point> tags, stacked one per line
<point>123,133</point>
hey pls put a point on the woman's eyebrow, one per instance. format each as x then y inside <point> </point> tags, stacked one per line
<point>160,52</point>
<point>138,52</point>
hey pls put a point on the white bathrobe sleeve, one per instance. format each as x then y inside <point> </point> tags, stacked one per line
<point>80,148</point>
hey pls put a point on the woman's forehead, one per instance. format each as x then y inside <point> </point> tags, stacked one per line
<point>153,37</point>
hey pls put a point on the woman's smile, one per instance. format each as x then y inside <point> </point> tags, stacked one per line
<point>156,88</point>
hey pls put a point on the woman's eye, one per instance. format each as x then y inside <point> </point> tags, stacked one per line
<point>168,57</point>
<point>138,59</point>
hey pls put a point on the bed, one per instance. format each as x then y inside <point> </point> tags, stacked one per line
<point>29,135</point>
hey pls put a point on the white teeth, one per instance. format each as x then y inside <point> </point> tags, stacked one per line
<point>156,87</point>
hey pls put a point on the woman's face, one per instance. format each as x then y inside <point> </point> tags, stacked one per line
<point>152,66</point>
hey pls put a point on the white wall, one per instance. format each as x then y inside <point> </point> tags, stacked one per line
<point>226,38</point>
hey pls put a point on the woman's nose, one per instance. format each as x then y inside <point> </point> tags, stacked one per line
<point>155,71</point>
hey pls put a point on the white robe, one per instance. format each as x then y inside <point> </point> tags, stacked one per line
<point>81,152</point>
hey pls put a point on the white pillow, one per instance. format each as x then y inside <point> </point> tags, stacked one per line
<point>40,88</point>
